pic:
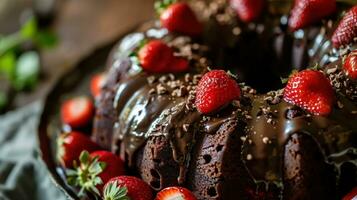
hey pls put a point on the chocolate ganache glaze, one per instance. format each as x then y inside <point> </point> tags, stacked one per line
<point>260,147</point>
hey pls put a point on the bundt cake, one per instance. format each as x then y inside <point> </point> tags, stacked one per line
<point>272,140</point>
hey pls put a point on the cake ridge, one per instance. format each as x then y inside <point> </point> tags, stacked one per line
<point>150,119</point>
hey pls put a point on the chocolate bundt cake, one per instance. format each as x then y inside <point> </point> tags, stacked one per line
<point>261,146</point>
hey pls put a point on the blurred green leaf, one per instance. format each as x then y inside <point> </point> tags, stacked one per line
<point>7,64</point>
<point>46,39</point>
<point>27,71</point>
<point>9,42</point>
<point>29,29</point>
<point>3,100</point>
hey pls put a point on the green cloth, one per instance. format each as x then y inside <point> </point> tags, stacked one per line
<point>23,174</point>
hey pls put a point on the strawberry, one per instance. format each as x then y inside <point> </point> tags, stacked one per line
<point>95,170</point>
<point>127,187</point>
<point>350,64</point>
<point>248,10</point>
<point>179,17</point>
<point>70,145</point>
<point>177,193</point>
<point>352,195</point>
<point>310,90</point>
<point>157,57</point>
<point>215,89</point>
<point>96,84</point>
<point>347,29</point>
<point>307,12</point>
<point>77,112</point>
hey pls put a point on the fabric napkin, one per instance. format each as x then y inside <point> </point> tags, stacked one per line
<point>23,175</point>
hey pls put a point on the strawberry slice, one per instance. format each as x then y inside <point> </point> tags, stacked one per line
<point>96,84</point>
<point>176,193</point>
<point>77,112</point>
<point>129,187</point>
<point>350,64</point>
<point>352,195</point>
<point>307,12</point>
<point>215,89</point>
<point>95,170</point>
<point>157,57</point>
<point>248,10</point>
<point>347,29</point>
<point>179,17</point>
<point>70,145</point>
<point>310,90</point>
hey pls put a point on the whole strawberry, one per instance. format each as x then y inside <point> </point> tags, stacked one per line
<point>307,12</point>
<point>347,29</point>
<point>77,112</point>
<point>157,57</point>
<point>350,64</point>
<point>178,17</point>
<point>310,90</point>
<point>70,145</point>
<point>248,10</point>
<point>215,90</point>
<point>127,187</point>
<point>95,170</point>
<point>96,84</point>
<point>178,193</point>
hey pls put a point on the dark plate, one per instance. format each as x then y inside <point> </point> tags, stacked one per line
<point>73,83</point>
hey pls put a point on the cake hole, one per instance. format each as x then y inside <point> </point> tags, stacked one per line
<point>207,158</point>
<point>155,184</point>
<point>212,192</point>
<point>219,148</point>
<point>155,173</point>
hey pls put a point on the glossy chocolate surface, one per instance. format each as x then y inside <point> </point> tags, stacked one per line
<point>151,122</point>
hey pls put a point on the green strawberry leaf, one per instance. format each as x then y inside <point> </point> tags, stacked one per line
<point>86,176</point>
<point>113,191</point>
<point>161,5</point>
<point>27,71</point>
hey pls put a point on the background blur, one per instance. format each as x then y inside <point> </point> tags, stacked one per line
<point>77,28</point>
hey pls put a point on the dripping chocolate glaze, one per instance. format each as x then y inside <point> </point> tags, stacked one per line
<point>273,124</point>
<point>143,114</point>
<point>153,105</point>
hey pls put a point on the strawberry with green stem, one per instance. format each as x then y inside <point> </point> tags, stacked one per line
<point>70,145</point>
<point>178,17</point>
<point>94,171</point>
<point>127,187</point>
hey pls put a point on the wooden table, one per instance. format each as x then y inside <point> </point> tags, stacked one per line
<point>82,26</point>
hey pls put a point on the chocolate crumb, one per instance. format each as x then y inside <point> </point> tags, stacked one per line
<point>152,91</point>
<point>249,157</point>
<point>151,79</point>
<point>185,127</point>
<point>161,89</point>
<point>265,140</point>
